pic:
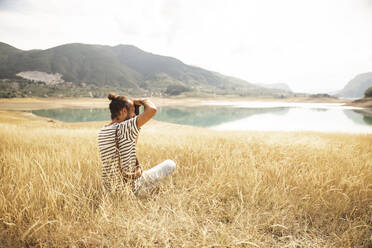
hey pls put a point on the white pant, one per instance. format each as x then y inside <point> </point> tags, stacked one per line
<point>150,178</point>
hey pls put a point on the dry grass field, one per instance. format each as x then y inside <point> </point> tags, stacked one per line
<point>230,189</point>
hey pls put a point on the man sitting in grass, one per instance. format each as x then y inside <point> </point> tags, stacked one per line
<point>117,146</point>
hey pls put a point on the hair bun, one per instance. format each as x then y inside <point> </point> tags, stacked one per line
<point>112,96</point>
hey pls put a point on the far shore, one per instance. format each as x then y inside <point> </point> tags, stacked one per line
<point>365,102</point>
<point>47,103</point>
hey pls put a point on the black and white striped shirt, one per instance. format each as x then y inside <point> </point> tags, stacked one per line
<point>127,134</point>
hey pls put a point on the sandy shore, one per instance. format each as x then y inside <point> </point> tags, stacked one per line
<point>47,103</point>
<point>365,102</point>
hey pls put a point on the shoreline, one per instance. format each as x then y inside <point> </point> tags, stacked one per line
<point>18,116</point>
<point>365,102</point>
<point>21,106</point>
<point>50,103</point>
<point>153,125</point>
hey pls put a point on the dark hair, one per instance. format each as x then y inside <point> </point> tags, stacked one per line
<point>117,104</point>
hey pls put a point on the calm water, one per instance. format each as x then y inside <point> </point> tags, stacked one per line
<point>244,116</point>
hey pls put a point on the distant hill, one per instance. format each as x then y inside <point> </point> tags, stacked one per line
<point>279,86</point>
<point>357,86</point>
<point>95,69</point>
<point>7,52</point>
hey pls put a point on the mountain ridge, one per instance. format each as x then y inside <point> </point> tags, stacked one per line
<point>125,67</point>
<point>356,87</point>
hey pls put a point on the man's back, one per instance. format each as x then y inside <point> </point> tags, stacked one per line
<point>127,134</point>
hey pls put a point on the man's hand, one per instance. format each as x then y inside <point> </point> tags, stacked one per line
<point>139,102</point>
<point>137,173</point>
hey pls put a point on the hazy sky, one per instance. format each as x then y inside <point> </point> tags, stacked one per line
<point>308,44</point>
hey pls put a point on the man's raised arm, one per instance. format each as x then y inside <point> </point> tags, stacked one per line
<point>148,113</point>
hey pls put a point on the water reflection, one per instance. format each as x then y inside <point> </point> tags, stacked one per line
<point>241,117</point>
<point>359,116</point>
<point>301,119</point>
<point>74,115</point>
<point>203,116</point>
<point>320,109</point>
<point>207,116</point>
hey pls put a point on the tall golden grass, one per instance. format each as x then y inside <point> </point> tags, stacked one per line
<point>230,189</point>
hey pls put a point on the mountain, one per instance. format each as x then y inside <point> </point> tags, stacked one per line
<point>98,68</point>
<point>279,86</point>
<point>6,53</point>
<point>357,86</point>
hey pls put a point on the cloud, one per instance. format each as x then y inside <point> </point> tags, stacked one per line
<point>172,12</point>
<point>303,43</point>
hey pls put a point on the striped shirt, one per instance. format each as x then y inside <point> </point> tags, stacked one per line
<point>127,134</point>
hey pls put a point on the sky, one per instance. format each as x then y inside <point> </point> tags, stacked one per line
<point>311,45</point>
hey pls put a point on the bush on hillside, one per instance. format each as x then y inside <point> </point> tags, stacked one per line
<point>368,92</point>
<point>176,89</point>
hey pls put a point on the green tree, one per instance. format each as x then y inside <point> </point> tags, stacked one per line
<point>368,92</point>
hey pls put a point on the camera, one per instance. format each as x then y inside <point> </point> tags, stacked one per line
<point>137,109</point>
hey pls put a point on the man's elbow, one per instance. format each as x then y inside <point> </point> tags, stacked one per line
<point>153,111</point>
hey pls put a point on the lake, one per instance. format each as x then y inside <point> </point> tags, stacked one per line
<point>264,116</point>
